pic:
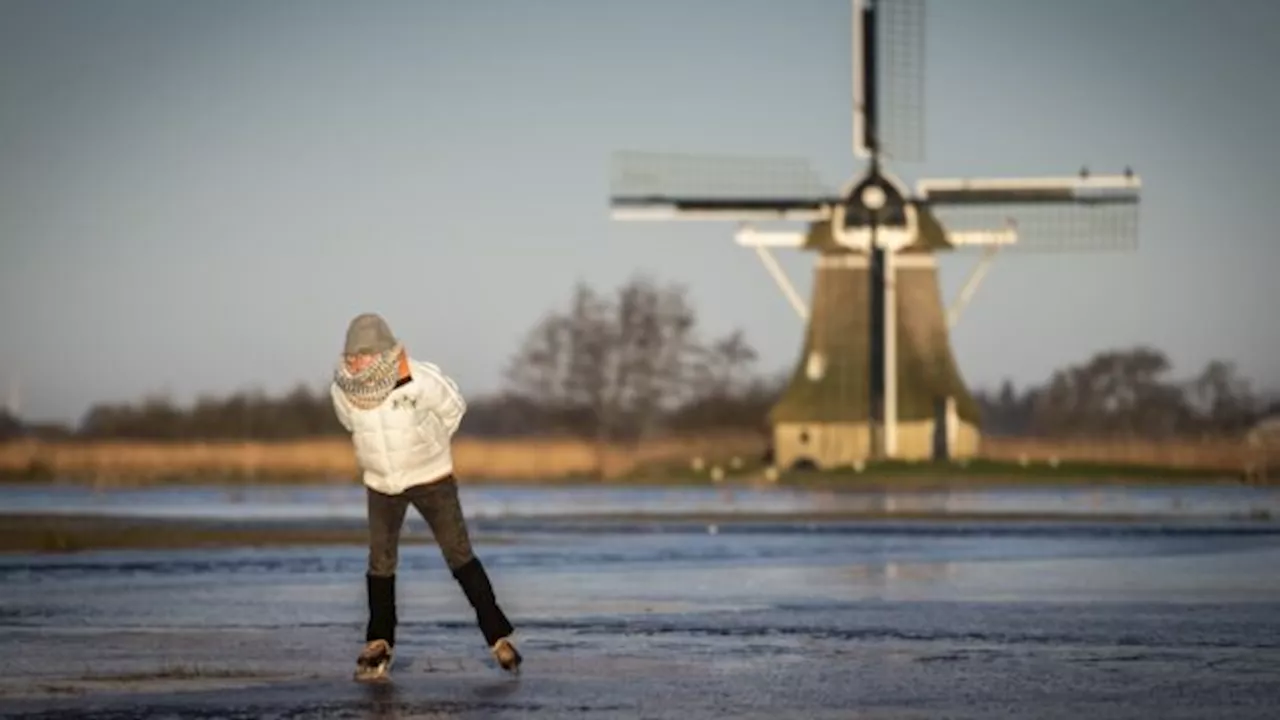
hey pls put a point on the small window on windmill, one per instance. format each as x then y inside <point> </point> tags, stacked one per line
<point>804,437</point>
<point>816,366</point>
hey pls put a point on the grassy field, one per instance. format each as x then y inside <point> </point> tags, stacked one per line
<point>686,460</point>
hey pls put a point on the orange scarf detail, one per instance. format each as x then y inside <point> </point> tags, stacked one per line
<point>402,365</point>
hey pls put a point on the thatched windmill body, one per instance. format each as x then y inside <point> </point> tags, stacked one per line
<point>877,378</point>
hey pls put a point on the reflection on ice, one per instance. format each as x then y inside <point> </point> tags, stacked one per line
<point>494,501</point>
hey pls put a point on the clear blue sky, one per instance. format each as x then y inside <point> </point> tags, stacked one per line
<point>196,197</point>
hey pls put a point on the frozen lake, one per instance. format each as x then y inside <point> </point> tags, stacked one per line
<point>1158,618</point>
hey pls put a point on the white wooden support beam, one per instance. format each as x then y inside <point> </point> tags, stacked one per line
<point>783,282</point>
<point>1070,182</point>
<point>671,212</point>
<point>971,284</point>
<point>750,237</point>
<point>859,92</point>
<point>762,241</point>
<point>1006,236</point>
<point>890,354</point>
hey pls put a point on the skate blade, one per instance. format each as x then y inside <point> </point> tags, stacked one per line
<point>507,657</point>
<point>375,674</point>
<point>512,667</point>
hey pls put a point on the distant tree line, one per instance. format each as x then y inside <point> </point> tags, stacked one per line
<point>1128,393</point>
<point>633,363</point>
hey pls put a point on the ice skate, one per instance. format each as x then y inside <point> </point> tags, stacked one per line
<point>504,651</point>
<point>374,662</point>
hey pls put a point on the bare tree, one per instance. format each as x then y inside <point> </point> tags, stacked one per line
<point>1129,393</point>
<point>609,368</point>
<point>655,347</point>
<point>1116,392</point>
<point>726,365</point>
<point>1220,401</point>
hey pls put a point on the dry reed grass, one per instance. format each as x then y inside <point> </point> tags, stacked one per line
<point>332,458</point>
<point>123,462</point>
<point>1182,454</point>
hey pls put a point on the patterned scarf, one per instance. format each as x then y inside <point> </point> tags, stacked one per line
<point>369,387</point>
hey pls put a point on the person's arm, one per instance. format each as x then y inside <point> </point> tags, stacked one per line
<point>340,407</point>
<point>442,396</point>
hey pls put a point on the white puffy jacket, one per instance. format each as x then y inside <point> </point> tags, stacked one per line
<point>405,441</point>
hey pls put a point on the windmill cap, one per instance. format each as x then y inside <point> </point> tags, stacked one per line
<point>368,334</point>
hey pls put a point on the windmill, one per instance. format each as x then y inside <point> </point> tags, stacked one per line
<point>877,378</point>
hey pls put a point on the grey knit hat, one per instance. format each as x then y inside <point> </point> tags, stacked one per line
<point>368,334</point>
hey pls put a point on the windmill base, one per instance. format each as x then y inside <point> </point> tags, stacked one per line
<point>830,446</point>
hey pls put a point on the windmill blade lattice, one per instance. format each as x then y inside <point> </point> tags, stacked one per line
<point>637,176</point>
<point>1085,214</point>
<point>900,79</point>
<point>1049,227</point>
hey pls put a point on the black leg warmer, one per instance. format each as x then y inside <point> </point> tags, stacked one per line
<point>475,584</point>
<point>382,608</point>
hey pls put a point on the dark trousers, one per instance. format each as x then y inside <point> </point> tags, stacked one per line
<point>438,504</point>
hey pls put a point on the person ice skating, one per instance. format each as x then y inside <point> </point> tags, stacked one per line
<point>402,414</point>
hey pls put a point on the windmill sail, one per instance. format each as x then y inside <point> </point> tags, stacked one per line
<point>1044,214</point>
<point>888,78</point>
<point>671,185</point>
<point>1059,228</point>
